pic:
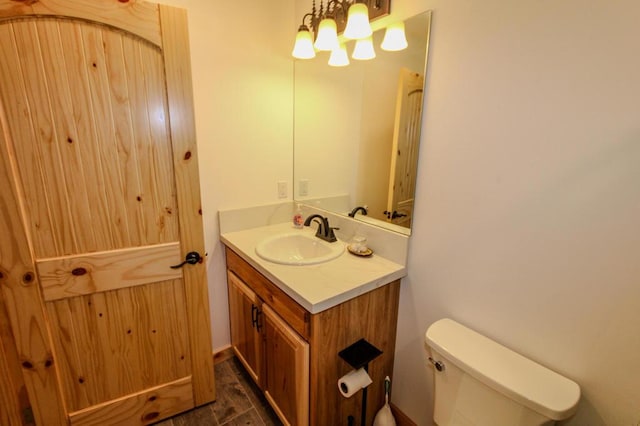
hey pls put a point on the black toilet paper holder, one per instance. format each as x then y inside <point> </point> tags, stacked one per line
<point>359,355</point>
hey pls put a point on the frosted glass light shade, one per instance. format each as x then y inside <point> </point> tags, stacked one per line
<point>358,26</point>
<point>394,38</point>
<point>327,35</point>
<point>303,49</point>
<point>364,50</point>
<point>339,57</point>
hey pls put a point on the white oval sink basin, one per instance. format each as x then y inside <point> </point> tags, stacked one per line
<point>296,248</point>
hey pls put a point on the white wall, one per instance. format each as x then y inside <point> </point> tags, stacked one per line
<point>242,78</point>
<point>527,223</point>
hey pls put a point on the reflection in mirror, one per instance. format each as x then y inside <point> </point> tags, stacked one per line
<point>357,130</point>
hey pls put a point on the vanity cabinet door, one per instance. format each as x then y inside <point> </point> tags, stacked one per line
<point>286,373</point>
<point>244,315</point>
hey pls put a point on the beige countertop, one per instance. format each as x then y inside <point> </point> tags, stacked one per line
<point>315,287</point>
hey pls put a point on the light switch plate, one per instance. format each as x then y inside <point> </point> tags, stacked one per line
<point>303,189</point>
<point>282,189</point>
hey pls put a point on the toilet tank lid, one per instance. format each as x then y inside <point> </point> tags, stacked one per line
<point>504,370</point>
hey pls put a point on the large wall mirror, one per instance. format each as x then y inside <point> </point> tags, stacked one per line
<point>357,130</point>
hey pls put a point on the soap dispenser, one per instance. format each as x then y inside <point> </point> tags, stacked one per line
<point>298,220</point>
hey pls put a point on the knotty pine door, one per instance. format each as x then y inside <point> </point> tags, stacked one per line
<point>99,196</point>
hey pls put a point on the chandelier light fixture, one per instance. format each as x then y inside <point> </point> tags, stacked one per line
<point>320,28</point>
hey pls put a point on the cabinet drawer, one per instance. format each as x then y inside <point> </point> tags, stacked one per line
<point>294,314</point>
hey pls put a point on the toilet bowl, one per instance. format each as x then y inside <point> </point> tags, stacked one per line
<point>479,382</point>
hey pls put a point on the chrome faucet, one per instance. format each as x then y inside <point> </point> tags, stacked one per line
<point>324,232</point>
<point>359,208</point>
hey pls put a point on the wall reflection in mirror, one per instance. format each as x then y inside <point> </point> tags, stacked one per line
<point>357,130</point>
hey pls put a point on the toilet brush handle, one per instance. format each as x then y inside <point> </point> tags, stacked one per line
<point>387,388</point>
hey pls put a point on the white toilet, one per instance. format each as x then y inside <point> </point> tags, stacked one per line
<point>479,382</point>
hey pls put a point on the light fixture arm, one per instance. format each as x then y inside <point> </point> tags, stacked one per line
<point>333,5</point>
<point>303,26</point>
<point>334,9</point>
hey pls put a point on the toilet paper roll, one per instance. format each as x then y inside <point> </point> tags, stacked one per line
<point>353,381</point>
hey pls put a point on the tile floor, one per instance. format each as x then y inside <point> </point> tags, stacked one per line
<point>239,402</point>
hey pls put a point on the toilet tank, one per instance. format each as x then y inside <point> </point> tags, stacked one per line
<point>486,384</point>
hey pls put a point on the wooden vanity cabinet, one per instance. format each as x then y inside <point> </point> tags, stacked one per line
<point>293,355</point>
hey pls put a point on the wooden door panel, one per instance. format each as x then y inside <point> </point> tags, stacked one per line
<point>116,343</point>
<point>78,169</point>
<point>89,152</point>
<point>38,46</point>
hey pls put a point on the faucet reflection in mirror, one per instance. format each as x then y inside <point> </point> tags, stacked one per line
<point>327,21</point>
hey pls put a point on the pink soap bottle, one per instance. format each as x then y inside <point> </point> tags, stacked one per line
<point>298,220</point>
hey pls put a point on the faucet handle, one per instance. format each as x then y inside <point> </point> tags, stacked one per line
<point>331,237</point>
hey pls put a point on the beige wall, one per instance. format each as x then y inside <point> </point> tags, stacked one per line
<point>526,223</point>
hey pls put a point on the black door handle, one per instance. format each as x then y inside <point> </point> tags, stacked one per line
<point>191,258</point>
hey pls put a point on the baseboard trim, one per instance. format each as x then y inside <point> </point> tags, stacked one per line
<point>401,418</point>
<point>223,354</point>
